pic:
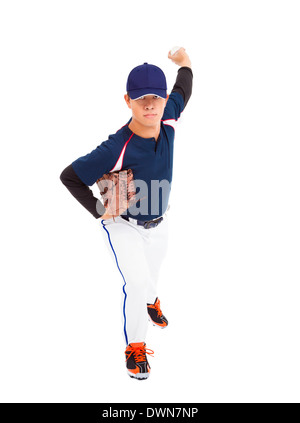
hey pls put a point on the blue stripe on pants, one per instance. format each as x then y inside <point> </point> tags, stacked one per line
<point>125,295</point>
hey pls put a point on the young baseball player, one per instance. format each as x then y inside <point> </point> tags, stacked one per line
<point>136,233</point>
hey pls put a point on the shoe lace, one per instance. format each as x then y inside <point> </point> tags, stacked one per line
<point>156,306</point>
<point>139,353</point>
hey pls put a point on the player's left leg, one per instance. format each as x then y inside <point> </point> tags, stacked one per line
<point>155,247</point>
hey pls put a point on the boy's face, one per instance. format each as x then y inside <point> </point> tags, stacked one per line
<point>147,110</point>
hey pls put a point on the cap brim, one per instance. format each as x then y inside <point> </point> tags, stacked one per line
<point>136,94</point>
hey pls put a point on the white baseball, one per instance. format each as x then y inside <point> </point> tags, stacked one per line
<point>174,50</point>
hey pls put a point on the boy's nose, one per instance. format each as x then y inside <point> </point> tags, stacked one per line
<point>149,104</point>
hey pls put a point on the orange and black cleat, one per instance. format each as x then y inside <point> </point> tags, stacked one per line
<point>136,360</point>
<point>156,316</point>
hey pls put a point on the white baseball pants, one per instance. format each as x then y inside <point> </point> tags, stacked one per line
<point>138,254</point>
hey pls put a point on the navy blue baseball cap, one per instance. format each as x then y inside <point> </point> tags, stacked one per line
<point>146,79</point>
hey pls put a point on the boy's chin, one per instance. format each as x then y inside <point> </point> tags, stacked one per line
<point>151,122</point>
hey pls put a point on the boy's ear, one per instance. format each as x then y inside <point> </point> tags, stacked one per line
<point>127,99</point>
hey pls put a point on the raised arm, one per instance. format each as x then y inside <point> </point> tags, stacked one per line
<point>184,80</point>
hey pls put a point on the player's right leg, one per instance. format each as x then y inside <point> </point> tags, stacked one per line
<point>126,245</point>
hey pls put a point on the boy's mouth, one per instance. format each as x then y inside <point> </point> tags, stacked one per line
<point>150,115</point>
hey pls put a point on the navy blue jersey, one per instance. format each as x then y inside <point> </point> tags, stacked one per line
<point>151,161</point>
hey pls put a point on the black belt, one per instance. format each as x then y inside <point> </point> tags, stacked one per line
<point>148,224</point>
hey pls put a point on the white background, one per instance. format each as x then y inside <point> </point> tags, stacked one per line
<point>230,283</point>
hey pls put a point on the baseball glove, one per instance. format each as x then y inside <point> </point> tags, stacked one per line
<point>118,191</point>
